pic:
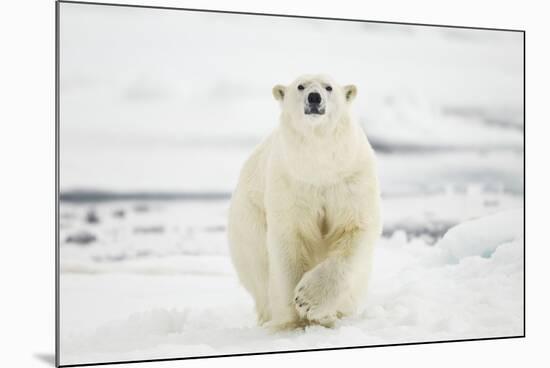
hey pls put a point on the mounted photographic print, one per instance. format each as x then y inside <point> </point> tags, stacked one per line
<point>236,183</point>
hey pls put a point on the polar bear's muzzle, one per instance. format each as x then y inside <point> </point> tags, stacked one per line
<point>314,104</point>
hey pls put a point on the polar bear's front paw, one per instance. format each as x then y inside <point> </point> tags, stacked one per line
<point>315,300</point>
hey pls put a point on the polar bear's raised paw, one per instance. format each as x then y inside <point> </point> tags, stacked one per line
<point>314,299</point>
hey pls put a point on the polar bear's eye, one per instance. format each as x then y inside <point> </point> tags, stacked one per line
<point>328,88</point>
<point>300,87</point>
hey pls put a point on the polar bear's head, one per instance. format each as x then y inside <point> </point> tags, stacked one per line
<point>314,100</point>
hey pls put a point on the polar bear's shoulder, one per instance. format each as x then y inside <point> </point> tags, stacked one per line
<point>252,177</point>
<point>258,158</point>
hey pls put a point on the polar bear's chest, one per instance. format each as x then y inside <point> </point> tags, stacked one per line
<point>320,212</point>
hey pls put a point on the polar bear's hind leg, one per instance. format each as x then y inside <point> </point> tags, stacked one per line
<point>246,232</point>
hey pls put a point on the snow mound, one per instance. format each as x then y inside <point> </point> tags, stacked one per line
<point>481,237</point>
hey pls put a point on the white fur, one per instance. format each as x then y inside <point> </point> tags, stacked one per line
<point>305,216</point>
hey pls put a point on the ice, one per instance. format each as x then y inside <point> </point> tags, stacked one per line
<point>175,303</point>
<point>482,237</point>
<point>145,295</point>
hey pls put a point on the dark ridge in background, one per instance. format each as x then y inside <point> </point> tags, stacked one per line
<point>86,196</point>
<point>382,146</point>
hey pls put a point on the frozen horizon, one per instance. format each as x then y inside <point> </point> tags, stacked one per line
<point>144,98</point>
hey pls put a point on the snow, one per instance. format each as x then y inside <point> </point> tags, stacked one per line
<point>174,293</point>
<point>144,278</point>
<point>466,240</point>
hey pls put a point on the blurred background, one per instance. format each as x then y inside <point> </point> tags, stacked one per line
<point>149,96</point>
<point>160,108</point>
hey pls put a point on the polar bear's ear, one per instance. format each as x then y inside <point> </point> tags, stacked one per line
<point>350,91</point>
<point>279,92</point>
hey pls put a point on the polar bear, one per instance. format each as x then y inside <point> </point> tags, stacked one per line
<point>305,214</point>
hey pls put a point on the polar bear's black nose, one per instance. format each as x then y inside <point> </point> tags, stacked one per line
<point>314,98</point>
